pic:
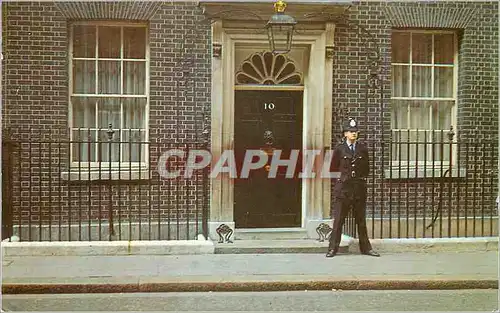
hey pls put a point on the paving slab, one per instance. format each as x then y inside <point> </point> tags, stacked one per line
<point>226,272</point>
<point>252,264</point>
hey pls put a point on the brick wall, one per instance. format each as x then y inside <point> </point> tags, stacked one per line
<point>36,97</point>
<point>35,67</point>
<point>478,63</point>
<point>180,71</point>
<point>478,74</point>
<point>353,46</point>
<point>35,40</point>
<point>477,25</point>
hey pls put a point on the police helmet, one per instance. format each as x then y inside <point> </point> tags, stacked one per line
<point>350,125</point>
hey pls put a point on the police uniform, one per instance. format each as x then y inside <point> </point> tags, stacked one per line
<point>350,190</point>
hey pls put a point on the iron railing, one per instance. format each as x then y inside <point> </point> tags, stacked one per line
<point>64,190</point>
<point>418,187</point>
<point>427,185</point>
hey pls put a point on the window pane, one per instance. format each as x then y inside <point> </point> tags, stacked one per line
<point>135,148</point>
<point>109,113</point>
<point>443,84</point>
<point>399,114</point>
<point>400,81</point>
<point>441,115</point>
<point>84,146</point>
<point>109,42</point>
<point>134,111</point>
<point>84,41</point>
<point>83,112</point>
<point>444,48</point>
<point>84,77</point>
<point>421,81</point>
<point>134,81</point>
<point>109,77</point>
<point>400,47</point>
<point>422,48</point>
<point>134,42</point>
<point>419,115</point>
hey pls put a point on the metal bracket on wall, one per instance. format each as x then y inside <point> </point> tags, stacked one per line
<point>216,50</point>
<point>330,52</point>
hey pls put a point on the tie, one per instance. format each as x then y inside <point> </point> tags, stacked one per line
<point>352,148</point>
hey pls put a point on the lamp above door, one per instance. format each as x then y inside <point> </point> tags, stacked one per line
<point>280,28</point>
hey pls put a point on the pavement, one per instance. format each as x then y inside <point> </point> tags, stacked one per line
<point>408,270</point>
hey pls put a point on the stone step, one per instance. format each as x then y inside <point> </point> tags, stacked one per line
<point>277,246</point>
<point>270,233</point>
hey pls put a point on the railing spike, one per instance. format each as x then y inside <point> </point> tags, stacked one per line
<point>110,132</point>
<point>451,133</point>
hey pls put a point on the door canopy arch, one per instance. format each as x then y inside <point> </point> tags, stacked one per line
<point>266,68</point>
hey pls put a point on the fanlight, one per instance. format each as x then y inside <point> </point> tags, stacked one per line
<point>267,68</point>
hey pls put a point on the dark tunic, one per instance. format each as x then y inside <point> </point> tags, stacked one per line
<point>350,192</point>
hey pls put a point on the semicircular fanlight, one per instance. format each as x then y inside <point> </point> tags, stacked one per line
<point>266,68</point>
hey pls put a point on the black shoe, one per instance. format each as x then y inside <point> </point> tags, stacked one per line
<point>331,253</point>
<point>372,253</point>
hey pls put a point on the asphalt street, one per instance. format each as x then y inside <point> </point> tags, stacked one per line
<point>335,300</point>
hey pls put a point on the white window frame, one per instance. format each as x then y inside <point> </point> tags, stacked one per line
<point>96,165</point>
<point>430,164</point>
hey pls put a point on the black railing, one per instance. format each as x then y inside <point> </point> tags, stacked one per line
<point>59,190</point>
<point>85,190</point>
<point>425,184</point>
<point>7,174</point>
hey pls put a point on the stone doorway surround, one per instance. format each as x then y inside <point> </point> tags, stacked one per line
<point>317,37</point>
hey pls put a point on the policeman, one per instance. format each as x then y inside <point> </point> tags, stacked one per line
<point>350,158</point>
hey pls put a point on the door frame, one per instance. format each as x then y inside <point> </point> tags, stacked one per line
<point>317,114</point>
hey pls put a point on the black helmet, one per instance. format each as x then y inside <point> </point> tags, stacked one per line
<point>350,125</point>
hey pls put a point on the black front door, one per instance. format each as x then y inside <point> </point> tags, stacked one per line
<point>268,120</point>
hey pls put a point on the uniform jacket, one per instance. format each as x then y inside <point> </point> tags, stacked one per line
<point>354,168</point>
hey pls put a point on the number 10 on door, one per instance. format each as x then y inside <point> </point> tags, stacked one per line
<point>269,106</point>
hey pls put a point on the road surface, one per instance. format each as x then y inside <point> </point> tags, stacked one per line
<point>335,300</point>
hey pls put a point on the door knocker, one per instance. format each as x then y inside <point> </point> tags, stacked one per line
<point>269,141</point>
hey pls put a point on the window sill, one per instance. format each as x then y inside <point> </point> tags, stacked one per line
<point>413,172</point>
<point>95,175</point>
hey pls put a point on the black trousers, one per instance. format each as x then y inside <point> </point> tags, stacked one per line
<point>341,208</point>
